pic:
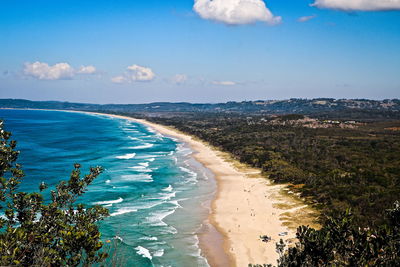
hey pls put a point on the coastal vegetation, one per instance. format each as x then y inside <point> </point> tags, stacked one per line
<point>39,232</point>
<point>333,164</point>
<point>341,243</point>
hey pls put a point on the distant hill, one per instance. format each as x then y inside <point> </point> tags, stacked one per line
<point>329,107</point>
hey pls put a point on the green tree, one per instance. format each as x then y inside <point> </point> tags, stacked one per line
<point>341,243</point>
<point>35,232</point>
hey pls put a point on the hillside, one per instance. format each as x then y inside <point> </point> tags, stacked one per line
<point>322,107</point>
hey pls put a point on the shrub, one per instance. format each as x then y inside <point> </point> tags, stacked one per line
<point>34,232</point>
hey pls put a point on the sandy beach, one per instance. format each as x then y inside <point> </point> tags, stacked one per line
<point>246,207</point>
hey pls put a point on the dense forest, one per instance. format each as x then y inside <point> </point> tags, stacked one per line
<point>335,164</point>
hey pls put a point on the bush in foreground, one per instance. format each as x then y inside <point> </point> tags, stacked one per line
<point>36,233</point>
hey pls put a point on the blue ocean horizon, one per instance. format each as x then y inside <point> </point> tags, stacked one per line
<point>157,194</point>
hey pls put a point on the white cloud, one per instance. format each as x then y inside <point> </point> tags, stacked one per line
<point>225,83</point>
<point>139,73</point>
<point>59,71</point>
<point>87,70</point>
<point>135,73</point>
<point>235,12</point>
<point>118,79</point>
<point>43,71</point>
<point>361,5</point>
<point>179,78</point>
<point>306,18</point>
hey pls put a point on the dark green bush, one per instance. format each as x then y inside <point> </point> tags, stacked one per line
<point>36,233</point>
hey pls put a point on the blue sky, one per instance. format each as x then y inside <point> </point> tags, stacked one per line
<point>146,51</point>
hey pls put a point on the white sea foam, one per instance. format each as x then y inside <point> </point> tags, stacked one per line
<point>119,200</point>
<point>144,164</point>
<point>150,205</point>
<point>185,169</point>
<point>138,178</point>
<point>118,238</point>
<point>108,181</point>
<point>130,130</point>
<point>121,211</point>
<point>191,173</point>
<point>149,238</point>
<point>151,130</point>
<point>140,169</point>
<point>158,253</point>
<point>176,203</point>
<point>182,150</point>
<point>196,247</point>
<point>169,230</point>
<point>137,167</point>
<point>144,252</point>
<point>127,156</point>
<point>146,145</point>
<point>133,138</point>
<point>147,156</point>
<point>157,217</point>
<point>168,189</point>
<point>167,196</point>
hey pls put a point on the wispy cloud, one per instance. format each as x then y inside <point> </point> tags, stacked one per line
<point>235,12</point>
<point>224,83</point>
<point>119,79</point>
<point>306,18</point>
<point>179,78</point>
<point>59,71</point>
<point>87,70</point>
<point>135,73</point>
<point>358,5</point>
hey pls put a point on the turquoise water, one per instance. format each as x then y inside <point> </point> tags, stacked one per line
<point>158,196</point>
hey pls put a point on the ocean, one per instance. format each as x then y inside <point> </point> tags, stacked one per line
<point>157,194</point>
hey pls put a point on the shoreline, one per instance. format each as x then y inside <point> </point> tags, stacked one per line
<point>243,209</point>
<point>211,235</point>
<point>245,206</point>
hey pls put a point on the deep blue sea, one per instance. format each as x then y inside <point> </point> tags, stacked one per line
<point>157,194</point>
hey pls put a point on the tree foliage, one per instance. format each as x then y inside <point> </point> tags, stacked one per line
<point>35,232</point>
<point>341,243</point>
